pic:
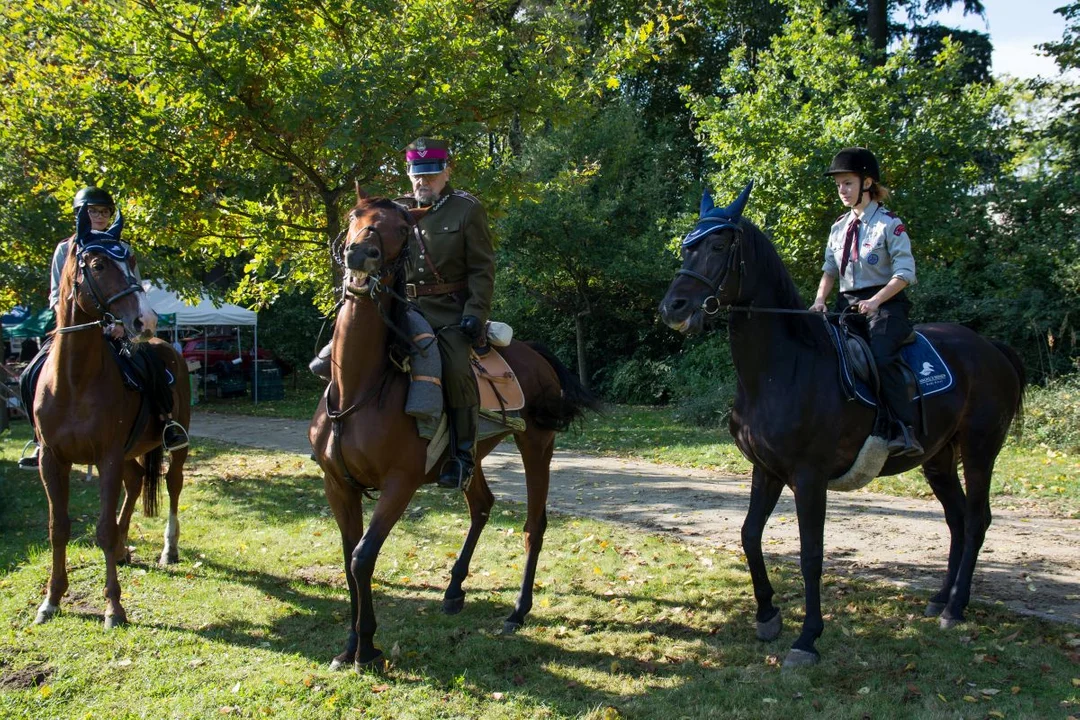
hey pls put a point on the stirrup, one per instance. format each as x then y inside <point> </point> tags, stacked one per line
<point>180,445</point>
<point>33,460</point>
<point>450,482</point>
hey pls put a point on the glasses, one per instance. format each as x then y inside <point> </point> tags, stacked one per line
<point>101,212</point>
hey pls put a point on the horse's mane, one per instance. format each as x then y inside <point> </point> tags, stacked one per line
<point>64,309</point>
<point>770,271</point>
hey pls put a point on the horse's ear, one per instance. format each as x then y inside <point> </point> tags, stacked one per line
<point>360,193</point>
<point>735,209</point>
<point>706,203</point>
<point>82,225</point>
<point>117,227</point>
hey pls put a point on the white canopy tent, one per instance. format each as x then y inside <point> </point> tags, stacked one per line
<point>206,312</point>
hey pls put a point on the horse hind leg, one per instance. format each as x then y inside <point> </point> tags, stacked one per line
<point>111,477</point>
<point>174,481</point>
<point>536,449</point>
<point>941,474</point>
<point>978,452</point>
<point>55,476</point>
<point>133,481</point>
<point>480,501</point>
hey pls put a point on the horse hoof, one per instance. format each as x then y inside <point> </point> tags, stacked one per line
<point>339,664</point>
<point>948,623</point>
<point>933,609</point>
<point>799,658</point>
<point>168,558</point>
<point>770,629</point>
<point>452,606</point>
<point>114,621</point>
<point>44,617</point>
<point>511,627</point>
<point>376,664</point>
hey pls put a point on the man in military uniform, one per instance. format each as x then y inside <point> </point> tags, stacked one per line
<point>451,278</point>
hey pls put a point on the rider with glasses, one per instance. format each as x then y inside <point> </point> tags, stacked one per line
<point>101,209</point>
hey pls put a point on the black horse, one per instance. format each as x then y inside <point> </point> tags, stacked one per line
<point>793,423</point>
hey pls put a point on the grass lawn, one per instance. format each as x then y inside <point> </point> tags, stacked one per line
<point>626,624</point>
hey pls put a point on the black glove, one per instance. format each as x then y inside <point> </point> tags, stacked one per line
<point>470,325</point>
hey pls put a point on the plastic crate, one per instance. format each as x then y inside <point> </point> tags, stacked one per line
<point>269,384</point>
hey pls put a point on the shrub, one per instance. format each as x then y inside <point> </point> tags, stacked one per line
<point>1052,414</point>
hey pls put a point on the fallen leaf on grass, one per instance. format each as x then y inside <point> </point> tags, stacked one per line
<point>990,691</point>
<point>864,690</point>
<point>1076,682</point>
<point>497,696</point>
<point>970,698</point>
<point>911,688</point>
<point>942,698</point>
<point>1015,690</point>
<point>226,710</point>
<point>996,714</point>
<point>380,688</point>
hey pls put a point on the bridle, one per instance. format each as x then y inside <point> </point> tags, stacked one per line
<point>711,304</point>
<point>101,303</point>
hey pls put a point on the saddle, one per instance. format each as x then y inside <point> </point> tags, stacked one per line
<point>858,372</point>
<point>141,369</point>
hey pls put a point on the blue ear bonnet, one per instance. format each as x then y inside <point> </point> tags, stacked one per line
<point>713,219</point>
<point>105,241</point>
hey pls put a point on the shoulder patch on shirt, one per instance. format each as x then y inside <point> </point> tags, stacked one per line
<point>899,230</point>
<point>467,196</point>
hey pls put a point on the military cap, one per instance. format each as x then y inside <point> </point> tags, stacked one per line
<point>426,156</point>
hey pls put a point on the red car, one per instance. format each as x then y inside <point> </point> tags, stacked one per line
<point>215,351</point>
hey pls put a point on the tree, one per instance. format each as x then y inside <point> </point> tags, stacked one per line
<point>237,130</point>
<point>587,240</point>
<point>936,135</point>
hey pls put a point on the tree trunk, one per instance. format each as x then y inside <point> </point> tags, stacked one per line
<point>582,362</point>
<point>877,27</point>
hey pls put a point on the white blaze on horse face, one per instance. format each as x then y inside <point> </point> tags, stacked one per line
<point>145,312</point>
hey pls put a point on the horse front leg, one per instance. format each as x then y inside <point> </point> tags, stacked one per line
<point>480,501</point>
<point>55,477</point>
<point>110,477</point>
<point>174,481</point>
<point>810,496</point>
<point>765,491</point>
<point>397,491</point>
<point>536,453</point>
<point>348,508</point>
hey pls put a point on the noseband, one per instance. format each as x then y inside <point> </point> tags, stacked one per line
<point>711,304</point>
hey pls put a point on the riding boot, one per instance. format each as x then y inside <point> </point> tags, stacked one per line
<point>457,470</point>
<point>321,365</point>
<point>902,440</point>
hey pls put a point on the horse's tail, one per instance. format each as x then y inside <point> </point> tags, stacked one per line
<point>152,483</point>
<point>1021,373</point>
<point>557,413</point>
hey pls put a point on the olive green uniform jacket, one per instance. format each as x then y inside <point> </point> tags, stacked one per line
<point>458,245</point>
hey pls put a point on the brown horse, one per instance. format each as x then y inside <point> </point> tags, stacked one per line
<point>377,446</point>
<point>84,414</point>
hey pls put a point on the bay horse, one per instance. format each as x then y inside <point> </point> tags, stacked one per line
<point>84,413</point>
<point>376,445</point>
<point>792,422</point>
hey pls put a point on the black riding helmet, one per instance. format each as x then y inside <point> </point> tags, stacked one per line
<point>92,196</point>
<point>856,160</point>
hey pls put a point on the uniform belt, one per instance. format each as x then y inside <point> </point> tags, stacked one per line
<point>413,290</point>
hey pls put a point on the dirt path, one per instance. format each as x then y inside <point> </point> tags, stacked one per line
<point>1029,562</point>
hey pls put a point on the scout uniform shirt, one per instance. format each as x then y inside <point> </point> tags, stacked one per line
<point>458,243</point>
<point>883,250</point>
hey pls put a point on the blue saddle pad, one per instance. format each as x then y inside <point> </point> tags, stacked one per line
<point>930,368</point>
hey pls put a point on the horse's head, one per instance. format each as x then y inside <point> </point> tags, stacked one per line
<point>709,275</point>
<point>102,279</point>
<point>376,239</point>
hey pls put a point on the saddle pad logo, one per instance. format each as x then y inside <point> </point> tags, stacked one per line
<point>927,369</point>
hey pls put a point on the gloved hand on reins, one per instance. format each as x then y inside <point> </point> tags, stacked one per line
<point>470,325</point>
